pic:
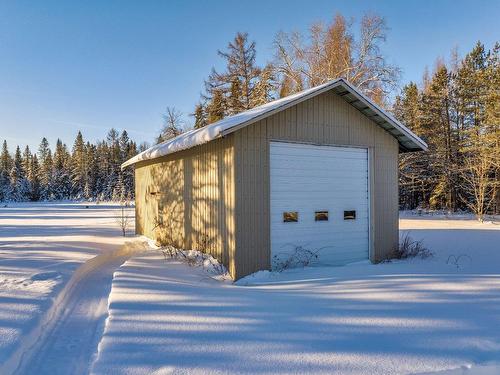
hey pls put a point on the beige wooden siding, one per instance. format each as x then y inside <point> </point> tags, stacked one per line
<point>324,119</point>
<point>192,193</point>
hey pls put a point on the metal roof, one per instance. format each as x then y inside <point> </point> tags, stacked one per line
<point>406,139</point>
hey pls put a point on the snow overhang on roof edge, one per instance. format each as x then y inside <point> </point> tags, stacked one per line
<point>406,139</point>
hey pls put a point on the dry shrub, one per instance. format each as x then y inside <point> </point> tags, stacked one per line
<point>193,258</point>
<point>124,219</point>
<point>301,257</point>
<point>410,248</point>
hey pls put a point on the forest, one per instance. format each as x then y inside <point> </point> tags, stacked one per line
<point>455,109</point>
<point>87,172</point>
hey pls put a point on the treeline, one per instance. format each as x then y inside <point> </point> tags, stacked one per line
<point>300,61</point>
<point>456,110</point>
<point>87,171</point>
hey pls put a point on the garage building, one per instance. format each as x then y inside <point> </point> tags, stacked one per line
<point>315,171</point>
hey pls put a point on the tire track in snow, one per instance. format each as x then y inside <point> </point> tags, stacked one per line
<point>67,339</point>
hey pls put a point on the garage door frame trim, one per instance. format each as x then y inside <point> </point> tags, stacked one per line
<point>370,183</point>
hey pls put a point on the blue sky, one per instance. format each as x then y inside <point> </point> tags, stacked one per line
<point>92,65</point>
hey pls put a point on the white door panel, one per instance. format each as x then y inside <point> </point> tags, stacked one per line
<point>310,178</point>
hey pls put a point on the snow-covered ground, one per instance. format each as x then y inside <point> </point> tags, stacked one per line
<point>41,245</point>
<point>401,317</point>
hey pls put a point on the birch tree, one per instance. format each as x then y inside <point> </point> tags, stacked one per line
<point>172,124</point>
<point>331,51</point>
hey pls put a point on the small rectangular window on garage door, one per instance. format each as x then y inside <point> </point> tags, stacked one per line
<point>349,215</point>
<point>321,216</point>
<point>290,217</point>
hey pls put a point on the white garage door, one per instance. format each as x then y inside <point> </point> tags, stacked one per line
<point>319,201</point>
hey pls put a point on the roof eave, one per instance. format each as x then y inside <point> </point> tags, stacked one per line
<point>421,145</point>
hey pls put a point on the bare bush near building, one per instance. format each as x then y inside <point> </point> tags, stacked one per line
<point>301,256</point>
<point>124,219</point>
<point>193,258</point>
<point>166,231</point>
<point>410,248</point>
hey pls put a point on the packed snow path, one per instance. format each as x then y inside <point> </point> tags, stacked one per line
<point>68,345</point>
<point>42,247</point>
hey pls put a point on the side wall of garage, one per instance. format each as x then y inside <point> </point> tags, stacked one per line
<point>188,199</point>
<point>325,119</point>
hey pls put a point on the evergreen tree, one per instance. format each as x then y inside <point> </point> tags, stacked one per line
<point>128,150</point>
<point>5,158</point>
<point>125,144</point>
<point>19,186</point>
<point>5,168</point>
<point>43,150</point>
<point>437,107</point>
<point>78,167</point>
<point>114,157</point>
<point>240,70</point>
<point>12,192</point>
<point>26,187</point>
<point>492,117</point>
<point>45,170</point>
<point>18,162</point>
<point>231,91</point>
<point>62,177</point>
<point>415,175</point>
<point>480,137</point>
<point>492,76</point>
<point>103,167</point>
<point>235,100</point>
<point>457,113</point>
<point>33,178</point>
<point>89,171</point>
<point>216,108</point>
<point>265,87</point>
<point>119,190</point>
<point>200,116</point>
<point>91,188</point>
<point>27,160</point>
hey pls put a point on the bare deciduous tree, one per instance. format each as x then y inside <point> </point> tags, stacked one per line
<point>124,219</point>
<point>172,124</point>
<point>480,183</point>
<point>331,51</point>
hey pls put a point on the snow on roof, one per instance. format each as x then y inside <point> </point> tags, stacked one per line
<point>407,140</point>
